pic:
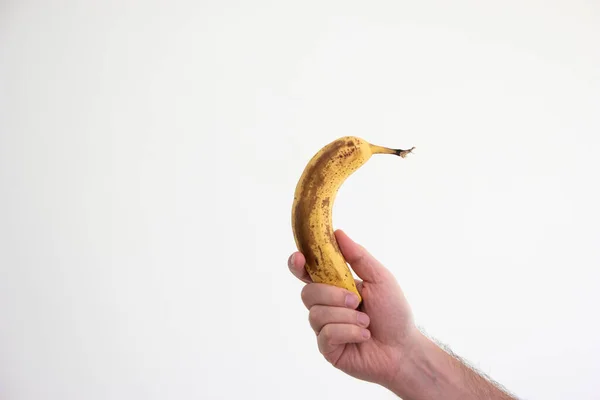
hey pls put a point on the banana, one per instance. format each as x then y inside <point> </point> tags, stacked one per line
<point>313,204</point>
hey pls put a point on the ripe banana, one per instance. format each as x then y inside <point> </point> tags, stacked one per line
<point>313,203</point>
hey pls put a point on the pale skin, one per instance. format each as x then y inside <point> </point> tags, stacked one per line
<point>379,341</point>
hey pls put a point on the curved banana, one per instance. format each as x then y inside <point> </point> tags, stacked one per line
<point>313,203</point>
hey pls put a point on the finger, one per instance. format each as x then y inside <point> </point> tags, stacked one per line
<point>319,316</point>
<point>296,264</point>
<point>361,261</point>
<point>328,295</point>
<point>332,336</point>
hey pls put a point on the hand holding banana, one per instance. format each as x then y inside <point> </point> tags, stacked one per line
<point>333,295</point>
<point>365,327</point>
<point>369,342</point>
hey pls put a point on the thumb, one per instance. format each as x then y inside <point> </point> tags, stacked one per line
<point>362,262</point>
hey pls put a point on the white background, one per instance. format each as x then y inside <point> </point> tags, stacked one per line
<point>149,152</point>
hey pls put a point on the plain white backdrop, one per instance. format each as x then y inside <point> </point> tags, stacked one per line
<point>149,152</point>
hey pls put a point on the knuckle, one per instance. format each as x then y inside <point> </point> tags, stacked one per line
<point>314,314</point>
<point>326,334</point>
<point>305,293</point>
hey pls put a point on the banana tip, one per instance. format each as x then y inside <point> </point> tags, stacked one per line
<point>404,153</point>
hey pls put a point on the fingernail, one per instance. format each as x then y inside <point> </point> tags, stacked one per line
<point>291,261</point>
<point>351,300</point>
<point>363,319</point>
<point>366,333</point>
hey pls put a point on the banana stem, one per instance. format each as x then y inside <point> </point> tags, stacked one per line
<point>386,150</point>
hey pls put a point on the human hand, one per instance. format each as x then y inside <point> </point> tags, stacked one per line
<point>367,342</point>
<point>378,341</point>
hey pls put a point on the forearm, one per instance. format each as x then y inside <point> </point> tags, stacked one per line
<point>428,372</point>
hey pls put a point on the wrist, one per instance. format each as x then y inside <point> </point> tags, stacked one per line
<point>422,372</point>
<point>408,375</point>
<point>429,372</point>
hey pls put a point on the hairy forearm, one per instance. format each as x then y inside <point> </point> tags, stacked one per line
<point>429,372</point>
